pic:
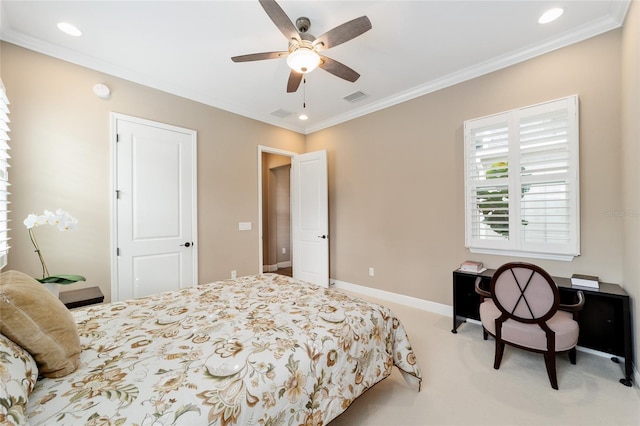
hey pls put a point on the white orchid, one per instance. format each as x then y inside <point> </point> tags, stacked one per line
<point>34,220</point>
<point>65,222</point>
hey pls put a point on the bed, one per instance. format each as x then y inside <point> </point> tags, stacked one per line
<point>257,350</point>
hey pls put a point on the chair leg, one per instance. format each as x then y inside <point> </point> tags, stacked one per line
<point>572,355</point>
<point>550,362</point>
<point>499,353</point>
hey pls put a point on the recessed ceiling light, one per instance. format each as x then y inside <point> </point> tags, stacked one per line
<point>303,117</point>
<point>551,15</point>
<point>70,29</point>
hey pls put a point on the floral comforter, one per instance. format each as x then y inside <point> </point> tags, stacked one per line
<point>259,350</point>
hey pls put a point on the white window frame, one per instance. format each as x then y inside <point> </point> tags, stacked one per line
<point>508,143</point>
<point>4,176</point>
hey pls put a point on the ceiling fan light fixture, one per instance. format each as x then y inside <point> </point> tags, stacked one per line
<point>303,60</point>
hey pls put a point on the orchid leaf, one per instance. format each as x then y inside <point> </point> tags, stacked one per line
<point>62,279</point>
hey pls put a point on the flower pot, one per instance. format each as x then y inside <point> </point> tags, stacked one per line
<point>53,288</point>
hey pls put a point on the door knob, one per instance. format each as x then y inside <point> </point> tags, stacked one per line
<point>186,245</point>
<point>324,237</point>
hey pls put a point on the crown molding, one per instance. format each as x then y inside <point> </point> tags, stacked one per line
<point>618,11</point>
<point>109,68</point>
<point>595,28</point>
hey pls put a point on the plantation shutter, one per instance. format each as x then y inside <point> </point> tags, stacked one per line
<point>548,178</point>
<point>488,181</point>
<point>521,177</point>
<point>4,176</point>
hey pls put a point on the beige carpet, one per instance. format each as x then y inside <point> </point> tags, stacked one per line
<point>460,386</point>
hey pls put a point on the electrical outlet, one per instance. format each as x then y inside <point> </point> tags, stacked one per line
<point>234,274</point>
<point>284,250</point>
<point>372,272</point>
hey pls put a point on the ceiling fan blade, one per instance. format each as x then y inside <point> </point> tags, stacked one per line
<point>344,32</point>
<point>282,21</point>
<point>294,81</point>
<point>338,69</point>
<point>259,56</point>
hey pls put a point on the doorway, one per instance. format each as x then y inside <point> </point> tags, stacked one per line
<point>308,217</point>
<point>276,214</point>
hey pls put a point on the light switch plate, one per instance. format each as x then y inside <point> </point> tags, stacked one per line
<point>244,226</point>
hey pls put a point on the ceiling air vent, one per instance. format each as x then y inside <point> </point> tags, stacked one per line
<point>281,113</point>
<point>355,96</point>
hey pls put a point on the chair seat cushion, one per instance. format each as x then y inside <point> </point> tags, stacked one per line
<point>531,335</point>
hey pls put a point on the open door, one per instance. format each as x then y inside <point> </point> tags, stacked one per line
<point>310,218</point>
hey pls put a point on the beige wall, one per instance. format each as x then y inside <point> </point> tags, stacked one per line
<point>61,159</point>
<point>396,176</point>
<point>631,161</point>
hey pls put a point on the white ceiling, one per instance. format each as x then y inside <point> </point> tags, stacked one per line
<point>414,47</point>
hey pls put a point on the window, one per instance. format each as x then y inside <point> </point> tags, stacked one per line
<point>521,182</point>
<point>4,176</point>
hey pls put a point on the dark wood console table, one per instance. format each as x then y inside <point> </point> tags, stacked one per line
<point>605,320</point>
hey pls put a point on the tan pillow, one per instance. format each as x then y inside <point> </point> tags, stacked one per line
<point>38,321</point>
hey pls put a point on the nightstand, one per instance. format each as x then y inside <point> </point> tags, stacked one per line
<point>82,297</point>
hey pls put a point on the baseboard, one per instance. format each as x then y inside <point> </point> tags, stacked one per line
<point>447,310</point>
<point>274,268</point>
<point>269,268</point>
<point>413,302</point>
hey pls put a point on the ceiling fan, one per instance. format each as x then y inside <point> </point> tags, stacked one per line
<point>303,54</point>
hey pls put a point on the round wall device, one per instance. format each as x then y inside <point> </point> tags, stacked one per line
<point>101,91</point>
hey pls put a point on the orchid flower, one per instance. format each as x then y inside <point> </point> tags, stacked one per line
<point>33,220</point>
<point>64,221</point>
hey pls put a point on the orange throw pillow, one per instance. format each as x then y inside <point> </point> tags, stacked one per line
<point>38,321</point>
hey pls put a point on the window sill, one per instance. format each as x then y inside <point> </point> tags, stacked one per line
<point>533,255</point>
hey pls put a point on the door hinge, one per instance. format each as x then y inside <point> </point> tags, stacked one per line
<point>118,251</point>
<point>117,194</point>
<point>117,137</point>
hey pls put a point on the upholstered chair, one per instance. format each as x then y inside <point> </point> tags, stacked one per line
<point>522,308</point>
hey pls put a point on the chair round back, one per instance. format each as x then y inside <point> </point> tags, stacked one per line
<point>525,292</point>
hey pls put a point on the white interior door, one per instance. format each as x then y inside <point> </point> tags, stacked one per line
<point>155,208</point>
<point>310,218</point>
